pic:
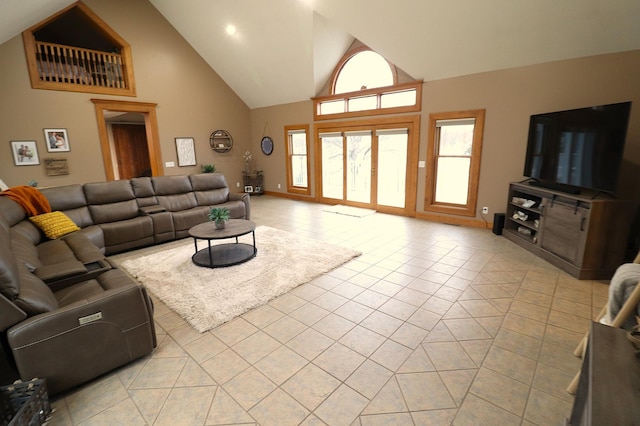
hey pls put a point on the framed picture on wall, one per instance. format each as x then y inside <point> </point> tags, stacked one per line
<point>57,140</point>
<point>25,153</point>
<point>185,148</point>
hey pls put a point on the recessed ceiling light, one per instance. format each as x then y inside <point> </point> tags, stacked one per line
<point>231,29</point>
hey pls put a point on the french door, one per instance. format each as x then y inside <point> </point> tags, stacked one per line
<point>368,165</point>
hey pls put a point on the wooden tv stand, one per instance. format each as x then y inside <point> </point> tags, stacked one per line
<point>584,235</point>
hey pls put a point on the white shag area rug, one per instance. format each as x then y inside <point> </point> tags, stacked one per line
<point>349,210</point>
<point>207,297</point>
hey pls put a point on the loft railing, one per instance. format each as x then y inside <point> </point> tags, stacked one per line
<point>74,65</point>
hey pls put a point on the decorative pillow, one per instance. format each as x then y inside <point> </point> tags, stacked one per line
<point>54,224</point>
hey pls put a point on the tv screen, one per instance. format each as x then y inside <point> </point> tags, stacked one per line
<point>579,148</point>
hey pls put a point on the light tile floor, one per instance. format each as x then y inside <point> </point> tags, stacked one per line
<point>433,325</point>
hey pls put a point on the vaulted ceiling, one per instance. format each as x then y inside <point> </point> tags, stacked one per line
<point>284,50</point>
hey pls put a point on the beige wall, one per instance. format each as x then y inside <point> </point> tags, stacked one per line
<point>509,97</point>
<point>270,122</point>
<point>192,101</point>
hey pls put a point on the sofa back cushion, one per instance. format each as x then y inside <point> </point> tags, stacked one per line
<point>111,201</point>
<point>71,200</point>
<point>210,188</point>
<point>24,250</point>
<point>11,212</point>
<point>15,218</point>
<point>174,193</point>
<point>143,190</point>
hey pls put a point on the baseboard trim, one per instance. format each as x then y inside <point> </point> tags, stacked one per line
<point>441,218</point>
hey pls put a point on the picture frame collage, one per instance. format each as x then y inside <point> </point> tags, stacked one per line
<point>25,152</point>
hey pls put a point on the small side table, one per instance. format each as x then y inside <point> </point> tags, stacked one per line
<point>255,180</point>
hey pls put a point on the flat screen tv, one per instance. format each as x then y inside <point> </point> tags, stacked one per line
<point>578,149</point>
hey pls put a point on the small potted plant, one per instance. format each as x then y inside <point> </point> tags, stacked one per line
<point>208,168</point>
<point>219,216</point>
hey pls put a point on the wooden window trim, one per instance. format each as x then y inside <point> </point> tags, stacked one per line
<point>288,153</point>
<point>412,122</point>
<point>29,42</point>
<point>430,204</point>
<point>148,110</point>
<point>350,54</point>
<point>378,91</point>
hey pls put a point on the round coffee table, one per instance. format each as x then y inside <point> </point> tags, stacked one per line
<point>227,254</point>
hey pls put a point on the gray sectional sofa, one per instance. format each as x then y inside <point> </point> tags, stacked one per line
<point>67,313</point>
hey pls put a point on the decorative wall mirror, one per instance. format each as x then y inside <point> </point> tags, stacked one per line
<point>221,141</point>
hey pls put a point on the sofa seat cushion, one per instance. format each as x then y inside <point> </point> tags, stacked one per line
<point>80,291</point>
<point>87,291</point>
<point>55,224</point>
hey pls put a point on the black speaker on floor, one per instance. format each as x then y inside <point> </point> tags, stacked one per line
<point>498,223</point>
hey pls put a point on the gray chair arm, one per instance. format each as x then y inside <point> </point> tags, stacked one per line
<point>245,198</point>
<point>10,314</point>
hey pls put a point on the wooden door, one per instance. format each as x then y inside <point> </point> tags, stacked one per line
<point>132,152</point>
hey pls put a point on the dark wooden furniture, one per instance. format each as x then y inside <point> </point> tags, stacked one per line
<point>255,180</point>
<point>609,388</point>
<point>228,254</point>
<point>585,235</point>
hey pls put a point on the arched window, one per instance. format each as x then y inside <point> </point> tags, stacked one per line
<point>364,70</point>
<point>364,83</point>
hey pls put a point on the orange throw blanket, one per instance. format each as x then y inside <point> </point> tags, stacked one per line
<point>30,198</point>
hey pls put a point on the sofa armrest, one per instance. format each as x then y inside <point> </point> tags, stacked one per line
<point>84,339</point>
<point>59,271</point>
<point>245,198</point>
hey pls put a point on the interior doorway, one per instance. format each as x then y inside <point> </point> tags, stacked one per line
<point>128,152</point>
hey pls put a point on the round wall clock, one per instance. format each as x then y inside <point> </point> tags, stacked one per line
<point>267,145</point>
